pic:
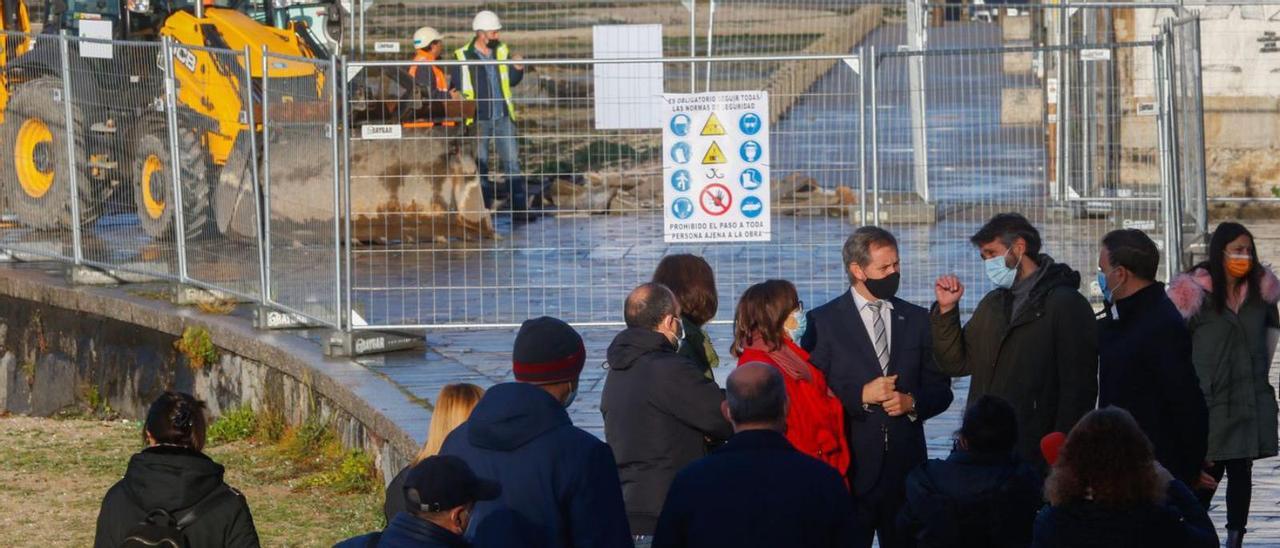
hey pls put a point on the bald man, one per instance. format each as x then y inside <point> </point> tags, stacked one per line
<point>659,409</point>
<point>757,490</point>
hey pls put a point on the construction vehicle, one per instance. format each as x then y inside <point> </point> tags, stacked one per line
<point>16,40</point>
<point>118,120</point>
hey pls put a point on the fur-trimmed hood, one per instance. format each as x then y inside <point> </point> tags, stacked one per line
<point>1187,291</point>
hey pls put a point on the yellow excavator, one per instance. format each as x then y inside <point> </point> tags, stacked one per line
<point>15,40</point>
<point>117,115</point>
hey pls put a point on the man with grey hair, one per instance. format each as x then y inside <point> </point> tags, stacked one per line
<point>757,490</point>
<point>874,349</point>
<point>659,409</point>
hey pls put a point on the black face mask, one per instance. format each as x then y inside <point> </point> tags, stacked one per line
<point>884,288</point>
<point>493,44</point>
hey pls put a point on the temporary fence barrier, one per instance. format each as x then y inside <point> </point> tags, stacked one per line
<point>373,214</point>
<point>301,136</point>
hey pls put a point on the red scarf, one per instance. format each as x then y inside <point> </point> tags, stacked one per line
<point>787,360</point>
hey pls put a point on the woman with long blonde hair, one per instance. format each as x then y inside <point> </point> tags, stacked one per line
<point>452,408</point>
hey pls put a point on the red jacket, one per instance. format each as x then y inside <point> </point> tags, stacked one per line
<point>815,421</point>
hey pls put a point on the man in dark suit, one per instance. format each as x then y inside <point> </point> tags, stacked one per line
<point>875,351</point>
<point>756,490</point>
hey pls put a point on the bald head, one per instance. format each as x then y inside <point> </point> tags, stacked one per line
<point>648,305</point>
<point>756,397</point>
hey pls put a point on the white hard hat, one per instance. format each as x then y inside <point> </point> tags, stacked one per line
<point>424,36</point>
<point>486,20</point>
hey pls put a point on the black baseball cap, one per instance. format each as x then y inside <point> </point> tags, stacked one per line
<point>443,482</point>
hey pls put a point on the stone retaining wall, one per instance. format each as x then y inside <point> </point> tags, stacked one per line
<point>64,346</point>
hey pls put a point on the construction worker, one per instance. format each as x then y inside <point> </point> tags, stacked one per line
<point>490,86</point>
<point>428,45</point>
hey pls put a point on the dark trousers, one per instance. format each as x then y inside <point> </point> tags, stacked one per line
<point>876,513</point>
<point>1239,474</point>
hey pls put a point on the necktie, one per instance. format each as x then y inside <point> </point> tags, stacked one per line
<point>880,340</point>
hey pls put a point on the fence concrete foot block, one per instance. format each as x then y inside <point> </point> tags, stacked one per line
<point>363,343</point>
<point>185,295</point>
<point>87,275</point>
<point>269,318</point>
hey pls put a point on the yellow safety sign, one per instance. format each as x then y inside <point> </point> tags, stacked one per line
<point>713,126</point>
<point>714,155</point>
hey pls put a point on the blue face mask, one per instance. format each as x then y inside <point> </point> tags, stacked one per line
<point>569,400</point>
<point>1102,286</point>
<point>999,273</point>
<point>802,323</point>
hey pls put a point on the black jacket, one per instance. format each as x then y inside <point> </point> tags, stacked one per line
<point>884,448</point>
<point>394,503</point>
<point>1145,367</point>
<point>174,479</point>
<point>407,531</point>
<point>757,490</point>
<point>1180,522</point>
<point>559,483</point>
<point>1044,361</point>
<point>659,411</point>
<point>971,500</point>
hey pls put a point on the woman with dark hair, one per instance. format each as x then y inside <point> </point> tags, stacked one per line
<point>171,487</point>
<point>1229,302</point>
<point>982,495</point>
<point>769,321</point>
<point>1106,489</point>
<point>693,282</point>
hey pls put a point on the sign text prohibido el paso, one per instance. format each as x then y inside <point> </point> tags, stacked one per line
<point>715,167</point>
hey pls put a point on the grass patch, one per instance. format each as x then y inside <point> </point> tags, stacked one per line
<point>238,424</point>
<point>63,468</point>
<point>218,307</point>
<point>197,346</point>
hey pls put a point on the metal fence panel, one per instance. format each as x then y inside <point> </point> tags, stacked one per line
<point>126,186</point>
<point>215,144</point>
<point>37,172</point>
<point>429,251</point>
<point>300,184</point>
<point>991,148</point>
<point>1188,110</point>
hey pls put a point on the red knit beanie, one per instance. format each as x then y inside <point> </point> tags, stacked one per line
<point>547,351</point>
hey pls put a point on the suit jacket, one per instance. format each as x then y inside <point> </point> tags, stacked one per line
<point>884,448</point>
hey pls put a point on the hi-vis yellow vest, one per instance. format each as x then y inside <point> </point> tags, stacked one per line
<point>469,90</point>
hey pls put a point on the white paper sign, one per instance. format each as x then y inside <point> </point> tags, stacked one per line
<point>100,30</point>
<point>627,95</point>
<point>715,167</point>
<point>1095,55</point>
<point>386,47</point>
<point>380,131</point>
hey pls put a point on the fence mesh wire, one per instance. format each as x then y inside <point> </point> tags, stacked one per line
<point>300,186</point>
<point>127,195</point>
<point>1063,132</point>
<point>36,147</point>
<point>213,136</point>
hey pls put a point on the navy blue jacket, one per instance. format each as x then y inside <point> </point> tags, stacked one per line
<point>559,484</point>
<point>1145,367</point>
<point>407,531</point>
<point>884,448</point>
<point>1180,522</point>
<point>972,500</point>
<point>756,490</point>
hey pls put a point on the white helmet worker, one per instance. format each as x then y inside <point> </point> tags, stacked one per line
<point>424,36</point>
<point>486,20</point>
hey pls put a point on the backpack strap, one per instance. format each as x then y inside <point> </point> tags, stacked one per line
<point>209,501</point>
